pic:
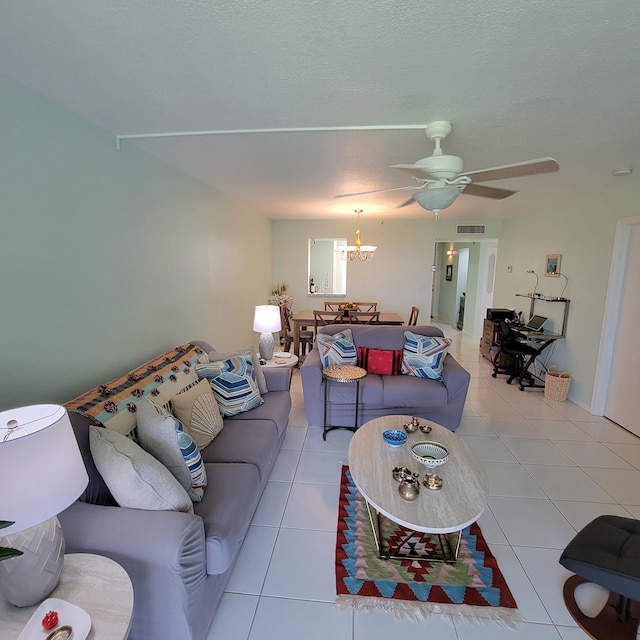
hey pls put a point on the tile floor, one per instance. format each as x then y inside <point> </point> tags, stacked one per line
<point>552,467</point>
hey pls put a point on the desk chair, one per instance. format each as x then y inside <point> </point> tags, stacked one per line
<point>413,317</point>
<point>286,334</point>
<point>511,346</point>
<point>323,318</point>
<point>364,317</point>
<point>606,553</point>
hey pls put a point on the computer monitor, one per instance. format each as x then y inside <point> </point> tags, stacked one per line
<point>536,323</point>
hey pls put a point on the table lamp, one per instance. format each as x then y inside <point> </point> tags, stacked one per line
<point>266,320</point>
<point>41,474</point>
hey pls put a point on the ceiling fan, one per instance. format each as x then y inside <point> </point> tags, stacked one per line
<point>441,179</point>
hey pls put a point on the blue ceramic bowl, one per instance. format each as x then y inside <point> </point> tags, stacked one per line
<point>394,437</point>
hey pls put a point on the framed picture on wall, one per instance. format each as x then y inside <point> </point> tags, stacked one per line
<point>552,266</point>
<point>448,274</point>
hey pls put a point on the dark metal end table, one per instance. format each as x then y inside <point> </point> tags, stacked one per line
<point>343,373</point>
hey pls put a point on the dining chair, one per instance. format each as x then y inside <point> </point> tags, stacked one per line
<point>332,306</point>
<point>323,318</point>
<point>366,306</point>
<point>286,333</point>
<point>364,317</point>
<point>413,317</point>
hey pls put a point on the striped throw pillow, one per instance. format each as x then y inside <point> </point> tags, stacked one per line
<point>233,382</point>
<point>423,356</point>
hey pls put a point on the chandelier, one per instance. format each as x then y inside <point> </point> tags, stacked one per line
<point>359,251</point>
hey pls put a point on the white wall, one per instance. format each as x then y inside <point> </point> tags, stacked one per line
<point>399,276</point>
<point>583,232</point>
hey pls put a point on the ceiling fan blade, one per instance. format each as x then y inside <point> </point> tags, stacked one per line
<point>406,203</point>
<point>484,191</point>
<point>517,170</point>
<point>364,193</point>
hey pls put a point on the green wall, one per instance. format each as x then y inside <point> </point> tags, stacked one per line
<point>109,257</point>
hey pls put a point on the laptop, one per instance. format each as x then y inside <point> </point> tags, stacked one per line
<point>535,323</point>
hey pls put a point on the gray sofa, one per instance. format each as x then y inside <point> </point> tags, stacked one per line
<point>179,563</point>
<point>380,395</point>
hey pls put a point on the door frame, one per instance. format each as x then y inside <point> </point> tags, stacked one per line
<point>611,313</point>
<point>475,313</point>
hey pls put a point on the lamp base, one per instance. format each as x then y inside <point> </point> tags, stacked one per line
<point>28,579</point>
<point>265,345</point>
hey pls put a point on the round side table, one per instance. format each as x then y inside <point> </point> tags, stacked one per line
<point>343,373</point>
<point>280,362</point>
<point>94,583</point>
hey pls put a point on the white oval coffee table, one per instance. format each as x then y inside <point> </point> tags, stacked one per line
<point>460,502</point>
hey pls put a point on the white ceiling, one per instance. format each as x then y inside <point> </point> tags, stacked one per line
<point>519,79</point>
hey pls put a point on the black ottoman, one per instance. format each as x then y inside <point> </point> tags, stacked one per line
<point>606,552</point>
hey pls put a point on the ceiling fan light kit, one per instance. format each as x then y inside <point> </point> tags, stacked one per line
<point>441,178</point>
<point>438,198</point>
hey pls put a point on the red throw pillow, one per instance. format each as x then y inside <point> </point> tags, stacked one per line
<point>386,362</point>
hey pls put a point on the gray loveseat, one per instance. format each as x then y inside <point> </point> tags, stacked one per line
<point>179,563</point>
<point>381,395</point>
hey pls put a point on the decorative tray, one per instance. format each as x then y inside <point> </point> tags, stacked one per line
<point>68,614</point>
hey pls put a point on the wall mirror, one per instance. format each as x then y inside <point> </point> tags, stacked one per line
<point>327,269</point>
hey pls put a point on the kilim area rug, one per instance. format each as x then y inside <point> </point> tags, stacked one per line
<point>473,588</point>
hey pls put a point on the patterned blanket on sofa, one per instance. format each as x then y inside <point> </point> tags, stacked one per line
<point>114,404</point>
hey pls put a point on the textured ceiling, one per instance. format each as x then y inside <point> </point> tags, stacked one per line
<point>518,79</point>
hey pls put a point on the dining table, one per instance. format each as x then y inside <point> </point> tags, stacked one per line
<point>305,319</point>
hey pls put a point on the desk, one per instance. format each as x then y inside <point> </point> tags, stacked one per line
<point>539,342</point>
<point>94,583</point>
<point>305,319</point>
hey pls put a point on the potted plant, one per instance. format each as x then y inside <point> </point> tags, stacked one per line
<point>8,552</point>
<point>279,295</point>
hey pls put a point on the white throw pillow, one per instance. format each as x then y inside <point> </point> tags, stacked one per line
<point>135,478</point>
<point>164,437</point>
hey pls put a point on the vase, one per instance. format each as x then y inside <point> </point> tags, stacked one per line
<point>28,579</point>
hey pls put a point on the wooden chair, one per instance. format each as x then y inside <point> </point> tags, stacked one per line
<point>286,333</point>
<point>332,306</point>
<point>364,317</point>
<point>367,306</point>
<point>413,317</point>
<point>323,318</point>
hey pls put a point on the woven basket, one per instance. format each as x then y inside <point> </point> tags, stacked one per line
<point>556,385</point>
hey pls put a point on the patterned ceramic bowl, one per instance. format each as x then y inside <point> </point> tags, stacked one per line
<point>394,437</point>
<point>430,454</point>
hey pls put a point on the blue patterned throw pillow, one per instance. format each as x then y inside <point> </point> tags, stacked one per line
<point>233,383</point>
<point>337,349</point>
<point>423,356</point>
<point>163,436</point>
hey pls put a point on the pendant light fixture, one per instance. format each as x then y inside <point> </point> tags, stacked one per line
<point>359,251</point>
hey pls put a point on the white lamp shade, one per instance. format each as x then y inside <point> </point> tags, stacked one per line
<point>266,318</point>
<point>438,198</point>
<point>41,468</point>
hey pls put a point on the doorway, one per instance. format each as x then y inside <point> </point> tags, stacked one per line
<point>614,389</point>
<point>470,265</point>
